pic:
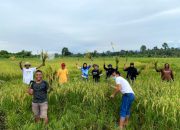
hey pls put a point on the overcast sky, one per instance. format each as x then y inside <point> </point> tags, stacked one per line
<point>86,25</point>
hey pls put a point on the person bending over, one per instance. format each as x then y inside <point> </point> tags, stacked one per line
<point>128,97</point>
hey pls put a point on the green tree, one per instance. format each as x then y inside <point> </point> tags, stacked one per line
<point>143,48</point>
<point>165,46</point>
<point>65,51</point>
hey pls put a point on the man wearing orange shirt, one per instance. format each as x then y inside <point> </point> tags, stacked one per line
<point>63,74</point>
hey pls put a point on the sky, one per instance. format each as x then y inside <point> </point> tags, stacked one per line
<point>87,25</point>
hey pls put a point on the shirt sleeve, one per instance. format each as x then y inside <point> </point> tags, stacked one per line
<point>126,69</point>
<point>118,81</point>
<point>33,69</point>
<point>89,66</point>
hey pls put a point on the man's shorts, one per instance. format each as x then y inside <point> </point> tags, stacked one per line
<point>127,100</point>
<point>40,109</point>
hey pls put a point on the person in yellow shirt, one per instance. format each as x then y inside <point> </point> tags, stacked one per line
<point>63,74</point>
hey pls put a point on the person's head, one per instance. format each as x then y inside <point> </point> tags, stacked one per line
<point>38,75</point>
<point>116,74</point>
<point>166,66</point>
<point>131,64</point>
<point>95,66</point>
<point>109,66</point>
<point>27,65</point>
<point>85,65</point>
<point>63,65</point>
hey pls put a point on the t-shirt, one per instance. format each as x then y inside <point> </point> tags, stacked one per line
<point>131,73</point>
<point>125,86</point>
<point>85,71</point>
<point>62,74</point>
<point>109,71</point>
<point>39,91</point>
<point>95,73</point>
<point>28,75</point>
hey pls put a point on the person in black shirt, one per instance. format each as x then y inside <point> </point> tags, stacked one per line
<point>110,70</point>
<point>131,72</point>
<point>38,89</point>
<point>96,73</point>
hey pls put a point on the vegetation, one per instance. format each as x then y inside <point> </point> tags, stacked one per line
<point>164,51</point>
<point>81,105</point>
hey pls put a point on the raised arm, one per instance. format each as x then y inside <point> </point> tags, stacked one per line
<point>78,67</point>
<point>41,65</point>
<point>20,65</point>
<point>105,66</point>
<point>125,67</point>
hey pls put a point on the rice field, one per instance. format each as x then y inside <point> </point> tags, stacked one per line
<point>81,105</point>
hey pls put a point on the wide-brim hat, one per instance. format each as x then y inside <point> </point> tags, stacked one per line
<point>27,63</point>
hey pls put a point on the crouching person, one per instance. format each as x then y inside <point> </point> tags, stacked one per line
<point>123,86</point>
<point>38,89</point>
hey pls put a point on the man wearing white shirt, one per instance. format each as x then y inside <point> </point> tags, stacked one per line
<point>28,71</point>
<point>123,86</point>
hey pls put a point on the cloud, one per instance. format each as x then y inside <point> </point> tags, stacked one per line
<point>85,25</point>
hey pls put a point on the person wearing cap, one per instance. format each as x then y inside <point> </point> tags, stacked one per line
<point>166,72</point>
<point>131,72</point>
<point>110,70</point>
<point>96,73</point>
<point>63,74</point>
<point>28,71</point>
<point>128,97</point>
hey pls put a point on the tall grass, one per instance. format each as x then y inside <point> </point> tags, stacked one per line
<point>81,105</point>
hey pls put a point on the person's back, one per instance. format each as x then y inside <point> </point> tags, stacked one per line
<point>126,88</point>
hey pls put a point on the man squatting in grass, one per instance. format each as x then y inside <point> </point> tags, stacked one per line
<point>38,89</point>
<point>131,72</point>
<point>28,71</point>
<point>85,70</point>
<point>166,72</point>
<point>123,86</point>
<point>62,74</point>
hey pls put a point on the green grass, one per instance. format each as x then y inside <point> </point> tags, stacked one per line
<point>81,105</point>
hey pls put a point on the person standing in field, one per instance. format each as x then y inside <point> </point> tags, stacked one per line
<point>96,73</point>
<point>85,70</point>
<point>28,71</point>
<point>131,72</point>
<point>166,72</point>
<point>123,86</point>
<point>63,74</point>
<point>38,89</point>
<point>110,70</point>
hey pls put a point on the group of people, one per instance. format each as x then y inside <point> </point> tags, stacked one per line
<point>39,88</point>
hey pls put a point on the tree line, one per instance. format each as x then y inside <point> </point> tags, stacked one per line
<point>164,51</point>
